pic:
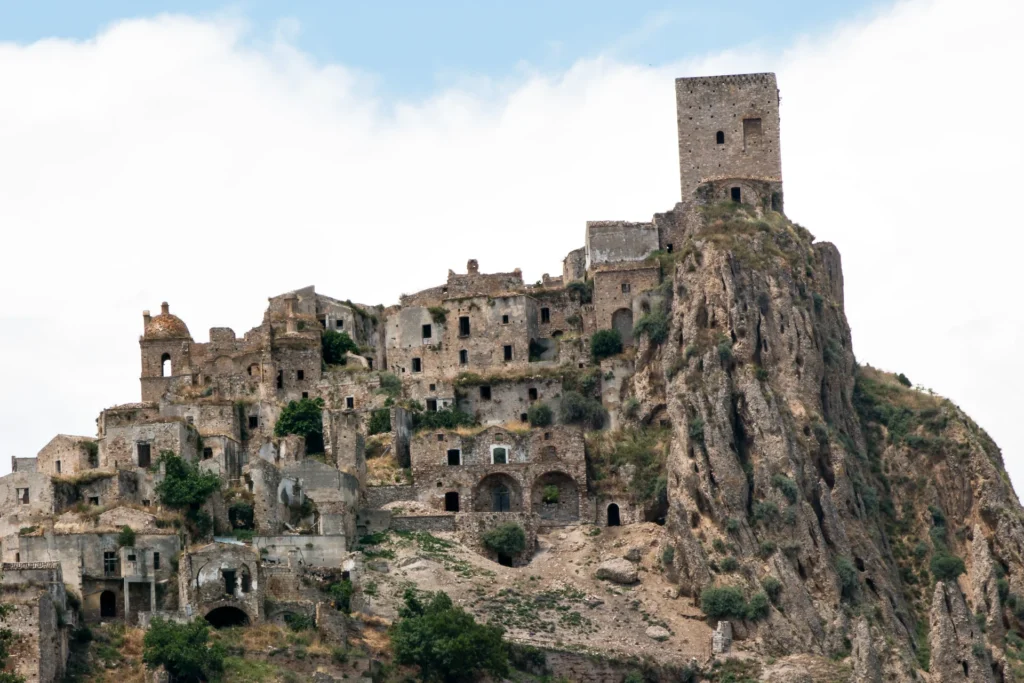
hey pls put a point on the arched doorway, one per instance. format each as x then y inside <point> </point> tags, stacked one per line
<point>108,605</point>
<point>451,501</point>
<point>498,492</point>
<point>223,617</point>
<point>622,321</point>
<point>613,515</point>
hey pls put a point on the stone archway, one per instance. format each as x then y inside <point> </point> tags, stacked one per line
<point>226,615</point>
<point>613,515</point>
<point>498,492</point>
<point>555,497</point>
<point>622,321</point>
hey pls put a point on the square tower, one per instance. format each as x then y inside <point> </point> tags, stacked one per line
<point>728,128</point>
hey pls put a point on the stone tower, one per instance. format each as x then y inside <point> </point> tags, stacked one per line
<point>728,128</point>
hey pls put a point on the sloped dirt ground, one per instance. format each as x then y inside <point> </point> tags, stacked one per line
<point>555,599</point>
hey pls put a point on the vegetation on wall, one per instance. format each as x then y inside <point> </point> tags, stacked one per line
<point>605,343</point>
<point>336,345</point>
<point>582,291</point>
<point>654,325</point>
<point>445,641</point>
<point>446,418</point>
<point>184,650</point>
<point>506,539</point>
<point>126,537</point>
<point>641,451</point>
<point>539,415</point>
<point>7,637</point>
<point>579,409</point>
<point>380,421</point>
<point>304,418</point>
<point>186,487</point>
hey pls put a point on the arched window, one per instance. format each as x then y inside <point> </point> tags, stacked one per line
<point>720,138</point>
<point>165,365</point>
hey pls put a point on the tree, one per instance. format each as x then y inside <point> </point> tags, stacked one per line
<point>380,421</point>
<point>445,642</point>
<point>723,602</point>
<point>506,539</point>
<point>183,649</point>
<point>305,418</point>
<point>184,485</point>
<point>539,415</point>
<point>946,566</point>
<point>341,592</point>
<point>605,343</point>
<point>578,409</point>
<point>126,538</point>
<point>7,637</point>
<point>336,345</point>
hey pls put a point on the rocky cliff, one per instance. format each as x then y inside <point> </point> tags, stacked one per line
<point>877,518</point>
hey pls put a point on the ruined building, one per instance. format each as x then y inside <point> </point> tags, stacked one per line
<point>485,346</point>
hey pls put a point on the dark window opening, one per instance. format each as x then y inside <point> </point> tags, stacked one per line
<point>454,457</point>
<point>625,288</point>
<point>433,387</point>
<point>776,202</point>
<point>22,495</point>
<point>156,560</point>
<point>523,417</point>
<point>109,563</point>
<point>339,324</point>
<point>720,138</point>
<point>323,323</point>
<point>508,352</point>
<point>532,392</point>
<point>350,402</point>
<point>485,393</point>
<point>464,326</point>
<point>369,364</point>
<point>668,247</point>
<point>547,436</point>
<point>246,581</point>
<point>58,467</point>
<point>305,394</point>
<point>427,332</point>
<point>417,365</point>
<point>440,437</point>
<point>280,379</point>
<point>300,374</point>
<point>165,365</point>
<point>144,455</point>
<point>17,557</point>
<point>94,500</point>
<point>131,558</point>
<point>451,501</point>
<point>735,194</point>
<point>545,315</point>
<point>504,320</point>
<point>463,357</point>
<point>145,502</point>
<point>207,453</point>
<point>108,604</point>
<point>613,515</point>
<point>229,581</point>
<point>254,421</point>
<point>432,405</point>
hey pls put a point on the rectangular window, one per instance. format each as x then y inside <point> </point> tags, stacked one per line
<point>504,320</point>
<point>350,402</point>
<point>229,581</point>
<point>156,560</point>
<point>144,455</point>
<point>305,394</point>
<point>131,558</point>
<point>58,467</point>
<point>533,393</point>
<point>207,453</point>
<point>427,332</point>
<point>433,387</point>
<point>300,374</point>
<point>94,500</point>
<point>545,315</point>
<point>417,365</point>
<point>463,357</point>
<point>735,195</point>
<point>485,393</point>
<point>440,436</point>
<point>22,495</point>
<point>499,455</point>
<point>464,326</point>
<point>109,563</point>
<point>323,323</point>
<point>508,352</point>
<point>145,502</point>
<point>431,405</point>
<point>625,288</point>
<point>280,379</point>
<point>339,324</point>
<point>454,457</point>
<point>254,421</point>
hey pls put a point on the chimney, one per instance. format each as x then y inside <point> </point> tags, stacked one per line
<point>472,267</point>
<point>145,320</point>
<point>164,309</point>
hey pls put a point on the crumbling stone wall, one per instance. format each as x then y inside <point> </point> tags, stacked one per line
<point>423,522</point>
<point>614,241</point>
<point>745,110</point>
<point>26,494</point>
<point>471,528</point>
<point>119,439</point>
<point>40,620</point>
<point>618,293</point>
<point>217,578</point>
<point>67,455</point>
<point>504,401</point>
<point>379,496</point>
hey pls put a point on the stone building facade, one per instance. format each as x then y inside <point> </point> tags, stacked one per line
<point>41,620</point>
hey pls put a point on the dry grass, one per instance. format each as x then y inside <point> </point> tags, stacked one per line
<point>886,385</point>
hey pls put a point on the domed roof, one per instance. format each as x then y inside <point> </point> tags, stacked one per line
<point>165,325</point>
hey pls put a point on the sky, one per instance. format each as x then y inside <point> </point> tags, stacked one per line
<point>215,155</point>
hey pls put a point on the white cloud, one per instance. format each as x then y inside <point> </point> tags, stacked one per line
<point>169,159</point>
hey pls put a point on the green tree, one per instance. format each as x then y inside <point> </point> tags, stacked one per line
<point>605,343</point>
<point>946,566</point>
<point>305,418</point>
<point>184,486</point>
<point>578,409</point>
<point>335,345</point>
<point>445,642</point>
<point>506,539</point>
<point>723,602</point>
<point>380,421</point>
<point>126,538</point>
<point>446,418</point>
<point>654,325</point>
<point>183,649</point>
<point>539,415</point>
<point>341,592</point>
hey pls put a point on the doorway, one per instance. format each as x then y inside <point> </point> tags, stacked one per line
<point>451,501</point>
<point>108,605</point>
<point>613,515</point>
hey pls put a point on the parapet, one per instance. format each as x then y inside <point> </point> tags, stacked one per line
<point>613,241</point>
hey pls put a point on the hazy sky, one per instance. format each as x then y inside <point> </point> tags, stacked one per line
<point>219,155</point>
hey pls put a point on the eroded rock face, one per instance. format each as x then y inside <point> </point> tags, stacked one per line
<point>836,481</point>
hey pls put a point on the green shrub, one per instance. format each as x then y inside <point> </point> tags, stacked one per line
<point>126,537</point>
<point>539,415</point>
<point>723,602</point>
<point>772,588</point>
<point>767,548</point>
<point>761,374</point>
<point>581,291</point>
<point>634,677</point>
<point>759,607</point>
<point>447,418</point>
<point>847,574</point>
<point>902,379</point>
<point>787,486</point>
<point>183,649</point>
<point>732,525</point>
<point>390,384</point>
<point>438,314</point>
<point>605,343</point>
<point>550,494</point>
<point>654,325</point>
<point>506,539</point>
<point>725,351</point>
<point>719,545</point>
<point>184,485</point>
<point>305,418</point>
<point>297,621</point>
<point>631,408</point>
<point>380,421</point>
<point>578,409</point>
<point>336,345</point>
<point>730,564</point>
<point>978,650</point>
<point>696,430</point>
<point>764,511</point>
<point>668,555</point>
<point>445,642</point>
<point>946,567</point>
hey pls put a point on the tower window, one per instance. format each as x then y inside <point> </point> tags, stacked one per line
<point>625,288</point>
<point>545,315</point>
<point>300,374</point>
<point>165,365</point>
<point>156,560</point>
<point>427,332</point>
<point>485,393</point>
<point>720,138</point>
<point>508,352</point>
<point>464,326</point>
<point>350,402</point>
<point>22,495</point>
<point>254,422</point>
<point>280,379</point>
<point>417,365</point>
<point>144,455</point>
<point>463,357</point>
<point>58,467</point>
<point>454,457</point>
<point>504,320</point>
<point>735,194</point>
